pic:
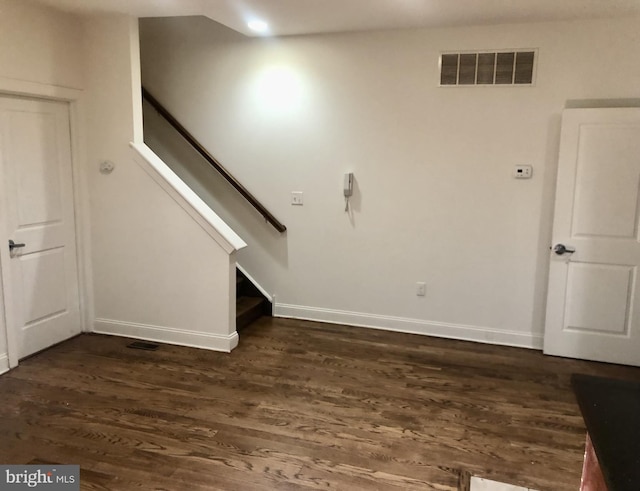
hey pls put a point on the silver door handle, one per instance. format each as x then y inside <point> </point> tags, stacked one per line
<point>13,245</point>
<point>561,249</point>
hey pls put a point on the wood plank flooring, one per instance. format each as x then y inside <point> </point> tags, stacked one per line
<point>299,405</point>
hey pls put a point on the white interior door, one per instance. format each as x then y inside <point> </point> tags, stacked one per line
<point>593,303</point>
<point>40,278</point>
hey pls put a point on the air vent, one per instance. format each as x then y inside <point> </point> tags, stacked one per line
<point>487,68</point>
<point>144,346</point>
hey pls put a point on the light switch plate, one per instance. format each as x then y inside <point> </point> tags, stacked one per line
<point>296,198</point>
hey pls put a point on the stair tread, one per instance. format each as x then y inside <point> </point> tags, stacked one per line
<point>250,303</point>
<point>244,304</point>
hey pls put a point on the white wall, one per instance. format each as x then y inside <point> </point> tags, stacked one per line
<point>4,354</point>
<point>40,44</point>
<point>157,273</point>
<point>434,201</point>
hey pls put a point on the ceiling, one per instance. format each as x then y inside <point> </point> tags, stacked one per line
<point>287,17</point>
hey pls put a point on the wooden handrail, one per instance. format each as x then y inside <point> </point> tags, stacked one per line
<point>197,146</point>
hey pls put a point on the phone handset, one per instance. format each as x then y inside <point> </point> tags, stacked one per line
<point>348,189</point>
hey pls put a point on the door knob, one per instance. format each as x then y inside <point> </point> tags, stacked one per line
<point>561,249</point>
<point>13,245</point>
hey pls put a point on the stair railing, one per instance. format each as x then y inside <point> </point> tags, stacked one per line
<point>197,146</point>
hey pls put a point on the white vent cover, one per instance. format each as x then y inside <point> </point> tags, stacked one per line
<point>488,68</point>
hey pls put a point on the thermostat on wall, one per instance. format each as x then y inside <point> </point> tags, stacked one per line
<point>523,172</point>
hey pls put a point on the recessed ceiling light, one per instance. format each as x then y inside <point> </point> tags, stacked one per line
<point>258,26</point>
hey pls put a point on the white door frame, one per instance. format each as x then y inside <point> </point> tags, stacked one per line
<point>11,87</point>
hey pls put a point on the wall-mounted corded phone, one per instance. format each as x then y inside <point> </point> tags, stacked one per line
<point>348,189</point>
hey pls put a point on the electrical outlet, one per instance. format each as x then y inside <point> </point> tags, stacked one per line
<point>296,198</point>
<point>421,289</point>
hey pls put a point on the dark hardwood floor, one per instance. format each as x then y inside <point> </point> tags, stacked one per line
<point>298,405</point>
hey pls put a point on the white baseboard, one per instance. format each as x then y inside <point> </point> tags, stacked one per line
<point>411,326</point>
<point>169,335</point>
<point>4,363</point>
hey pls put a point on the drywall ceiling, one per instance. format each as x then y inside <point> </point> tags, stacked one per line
<point>286,17</point>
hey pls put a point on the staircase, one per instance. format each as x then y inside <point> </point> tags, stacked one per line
<point>250,303</point>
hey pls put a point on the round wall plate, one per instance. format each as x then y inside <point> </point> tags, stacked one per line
<point>106,167</point>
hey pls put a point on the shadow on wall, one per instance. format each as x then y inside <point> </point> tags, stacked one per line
<point>546,219</point>
<point>600,103</point>
<point>213,189</point>
<point>355,202</point>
